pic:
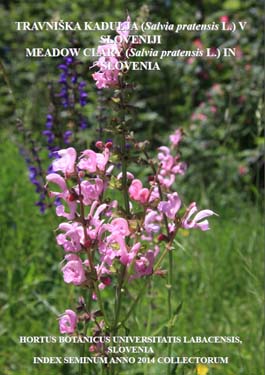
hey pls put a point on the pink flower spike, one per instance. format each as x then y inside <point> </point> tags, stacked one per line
<point>170,207</point>
<point>68,321</point>
<point>195,222</point>
<point>66,163</point>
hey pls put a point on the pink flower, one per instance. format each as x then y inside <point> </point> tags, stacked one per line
<point>91,191</point>
<point>169,167</point>
<point>176,137</point>
<point>102,159</point>
<point>55,178</point>
<point>239,52</point>
<point>73,271</point>
<point>72,238</point>
<point>110,49</point>
<point>120,226</point>
<point>92,162</point>
<point>106,79</point>
<point>108,67</point>
<point>129,176</point>
<point>187,223</point>
<point>144,265</point>
<point>180,168</point>
<point>154,194</point>
<point>224,19</point>
<point>216,89</point>
<point>64,194</point>
<point>242,170</point>
<point>152,222</point>
<point>95,227</point>
<point>88,161</point>
<point>198,43</point>
<point>68,321</point>
<point>101,80</point>
<point>108,74</point>
<point>171,206</point>
<point>60,210</point>
<point>109,60</point>
<point>126,257</point>
<point>191,60</point>
<point>165,158</point>
<point>199,116</point>
<point>137,192</point>
<point>66,163</point>
<point>114,245</point>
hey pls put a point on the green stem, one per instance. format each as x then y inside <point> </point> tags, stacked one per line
<point>81,353</point>
<point>170,270</point>
<point>169,304</point>
<point>123,268</point>
<point>124,175</point>
<point>119,298</point>
<point>134,304</point>
<point>161,259</point>
<point>100,303</point>
<point>89,254</point>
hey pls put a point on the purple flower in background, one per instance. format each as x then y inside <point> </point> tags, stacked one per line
<point>34,165</point>
<point>67,136</point>
<point>82,93</point>
<point>83,123</point>
<point>49,135</point>
<point>49,121</point>
<point>65,118</point>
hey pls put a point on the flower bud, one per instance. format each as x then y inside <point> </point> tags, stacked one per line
<point>108,145</point>
<point>162,237</point>
<point>88,243</point>
<point>160,272</point>
<point>99,145</point>
<point>106,280</point>
<point>71,197</point>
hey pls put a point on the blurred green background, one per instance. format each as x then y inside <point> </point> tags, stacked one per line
<point>218,103</point>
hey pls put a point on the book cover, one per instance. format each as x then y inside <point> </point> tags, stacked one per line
<point>132,173</point>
